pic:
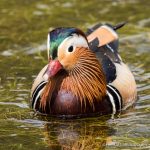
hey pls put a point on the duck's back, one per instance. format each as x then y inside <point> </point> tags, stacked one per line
<point>103,41</point>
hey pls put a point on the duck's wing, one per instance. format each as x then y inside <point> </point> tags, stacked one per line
<point>103,41</point>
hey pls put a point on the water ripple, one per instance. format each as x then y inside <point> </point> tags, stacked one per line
<point>21,105</point>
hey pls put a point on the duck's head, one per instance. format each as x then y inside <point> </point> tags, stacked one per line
<point>63,45</point>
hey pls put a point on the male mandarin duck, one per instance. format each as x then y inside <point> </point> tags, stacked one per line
<point>85,74</point>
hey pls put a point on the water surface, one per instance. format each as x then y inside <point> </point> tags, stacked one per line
<point>23,31</point>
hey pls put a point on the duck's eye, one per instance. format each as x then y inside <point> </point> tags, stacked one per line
<point>70,49</point>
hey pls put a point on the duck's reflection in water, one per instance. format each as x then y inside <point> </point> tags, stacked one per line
<point>78,134</point>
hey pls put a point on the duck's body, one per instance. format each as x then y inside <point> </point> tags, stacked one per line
<point>85,75</point>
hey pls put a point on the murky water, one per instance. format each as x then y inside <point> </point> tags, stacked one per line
<point>23,31</point>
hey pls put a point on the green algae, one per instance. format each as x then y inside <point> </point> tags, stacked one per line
<point>23,31</point>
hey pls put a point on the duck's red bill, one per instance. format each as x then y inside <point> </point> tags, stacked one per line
<point>53,67</point>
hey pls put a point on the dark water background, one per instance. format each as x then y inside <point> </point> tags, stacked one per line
<point>23,31</point>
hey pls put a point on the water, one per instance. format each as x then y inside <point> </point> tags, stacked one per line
<point>23,31</point>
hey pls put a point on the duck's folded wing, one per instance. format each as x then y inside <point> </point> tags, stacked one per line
<point>103,41</point>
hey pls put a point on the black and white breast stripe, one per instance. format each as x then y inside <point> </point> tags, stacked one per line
<point>113,94</point>
<point>114,98</point>
<point>36,94</point>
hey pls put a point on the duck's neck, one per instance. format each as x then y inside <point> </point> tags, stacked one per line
<point>86,79</point>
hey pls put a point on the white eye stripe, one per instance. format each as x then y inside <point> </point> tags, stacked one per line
<point>48,44</point>
<point>75,41</point>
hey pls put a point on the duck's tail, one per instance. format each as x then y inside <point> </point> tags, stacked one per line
<point>119,25</point>
<point>116,27</point>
